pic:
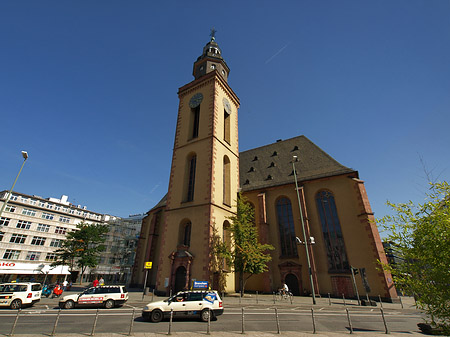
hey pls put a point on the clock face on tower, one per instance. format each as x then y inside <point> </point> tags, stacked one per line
<point>195,100</point>
<point>227,106</point>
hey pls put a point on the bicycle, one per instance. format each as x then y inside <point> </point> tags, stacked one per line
<point>284,295</point>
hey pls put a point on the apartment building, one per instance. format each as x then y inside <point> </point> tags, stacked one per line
<point>32,229</point>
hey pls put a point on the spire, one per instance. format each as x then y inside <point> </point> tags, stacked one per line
<point>211,59</point>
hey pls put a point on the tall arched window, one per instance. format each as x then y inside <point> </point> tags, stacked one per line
<point>195,121</point>
<point>191,165</point>
<point>185,233</point>
<point>332,233</point>
<point>226,237</point>
<point>286,227</point>
<point>226,127</point>
<point>226,181</point>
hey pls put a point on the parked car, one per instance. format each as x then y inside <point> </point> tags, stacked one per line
<point>17,295</point>
<point>101,296</point>
<point>199,303</point>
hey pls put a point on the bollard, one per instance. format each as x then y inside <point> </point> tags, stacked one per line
<point>208,327</point>
<point>274,297</point>
<point>349,320</point>
<point>243,325</point>
<point>153,294</point>
<point>329,299</point>
<point>401,302</point>
<point>256,297</point>
<point>56,322</point>
<point>290,297</point>
<point>240,295</point>
<point>170,322</point>
<point>381,303</point>
<point>278,322</point>
<point>95,323</point>
<point>15,322</point>
<point>343,296</point>
<point>313,321</point>
<point>131,323</point>
<point>384,321</point>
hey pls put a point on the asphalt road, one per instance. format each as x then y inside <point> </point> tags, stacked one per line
<point>41,318</point>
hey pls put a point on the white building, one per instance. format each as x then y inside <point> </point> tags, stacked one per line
<point>32,229</point>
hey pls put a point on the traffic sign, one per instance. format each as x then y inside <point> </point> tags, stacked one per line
<point>148,265</point>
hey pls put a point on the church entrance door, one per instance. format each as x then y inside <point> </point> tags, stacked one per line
<point>180,279</point>
<point>292,283</point>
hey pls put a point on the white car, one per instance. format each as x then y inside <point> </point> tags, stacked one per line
<point>100,296</point>
<point>16,295</point>
<point>185,303</point>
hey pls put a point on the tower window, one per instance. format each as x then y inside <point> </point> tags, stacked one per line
<point>226,127</point>
<point>213,66</point>
<point>195,121</point>
<point>192,162</point>
<point>226,181</point>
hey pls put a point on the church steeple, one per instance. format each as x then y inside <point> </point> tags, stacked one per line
<point>211,60</point>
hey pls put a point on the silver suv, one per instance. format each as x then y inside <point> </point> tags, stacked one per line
<point>16,295</point>
<point>106,296</point>
<point>186,303</point>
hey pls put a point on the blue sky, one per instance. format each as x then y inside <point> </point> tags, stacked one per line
<point>89,89</point>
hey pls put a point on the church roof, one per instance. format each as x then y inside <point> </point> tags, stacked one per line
<point>271,165</point>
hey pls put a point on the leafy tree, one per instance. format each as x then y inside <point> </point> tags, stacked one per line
<point>247,255</point>
<point>421,240</point>
<point>82,247</point>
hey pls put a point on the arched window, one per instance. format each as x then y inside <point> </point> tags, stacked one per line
<point>195,121</point>
<point>226,237</point>
<point>185,233</point>
<point>332,233</point>
<point>191,165</point>
<point>226,181</point>
<point>286,227</point>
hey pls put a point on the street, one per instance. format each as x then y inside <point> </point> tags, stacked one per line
<point>40,319</point>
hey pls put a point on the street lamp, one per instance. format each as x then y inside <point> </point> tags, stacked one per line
<point>25,157</point>
<point>294,158</point>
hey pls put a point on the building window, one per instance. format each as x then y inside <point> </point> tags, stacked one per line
<point>60,230</point>
<point>43,228</point>
<point>332,233</point>
<point>195,115</point>
<point>18,238</point>
<point>49,206</point>
<point>2,234</point>
<point>226,127</point>
<point>187,227</point>
<point>41,204</point>
<point>10,208</point>
<point>29,212</point>
<point>33,256</point>
<point>72,211</point>
<point>47,216</point>
<point>226,181</point>
<point>64,219</point>
<point>13,198</point>
<point>50,257</point>
<point>56,243</point>
<point>57,208</point>
<point>23,224</point>
<point>32,202</point>
<point>38,241</point>
<point>286,227</point>
<point>4,221</point>
<point>192,162</point>
<point>11,254</point>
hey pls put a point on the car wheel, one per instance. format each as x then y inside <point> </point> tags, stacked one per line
<point>109,304</point>
<point>16,304</point>
<point>204,315</point>
<point>69,304</point>
<point>156,316</point>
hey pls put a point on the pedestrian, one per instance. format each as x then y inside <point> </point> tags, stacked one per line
<point>101,281</point>
<point>95,283</point>
<point>64,284</point>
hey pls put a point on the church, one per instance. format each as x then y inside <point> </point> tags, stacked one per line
<point>312,209</point>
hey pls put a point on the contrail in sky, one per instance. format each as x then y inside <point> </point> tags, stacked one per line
<point>276,54</point>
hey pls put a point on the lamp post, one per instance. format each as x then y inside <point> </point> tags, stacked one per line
<point>25,157</point>
<point>304,232</point>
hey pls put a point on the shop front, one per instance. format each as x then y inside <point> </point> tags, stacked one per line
<point>32,272</point>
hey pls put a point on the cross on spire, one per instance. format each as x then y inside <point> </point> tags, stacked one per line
<point>213,34</point>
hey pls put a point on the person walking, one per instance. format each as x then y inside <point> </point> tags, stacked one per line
<point>101,281</point>
<point>95,283</point>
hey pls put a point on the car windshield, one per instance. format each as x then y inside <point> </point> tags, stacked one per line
<point>6,288</point>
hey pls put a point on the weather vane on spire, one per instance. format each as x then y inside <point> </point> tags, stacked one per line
<point>213,34</point>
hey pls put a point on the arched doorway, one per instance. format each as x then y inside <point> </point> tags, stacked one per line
<point>292,283</point>
<point>180,279</point>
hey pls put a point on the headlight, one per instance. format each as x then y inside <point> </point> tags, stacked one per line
<point>146,307</point>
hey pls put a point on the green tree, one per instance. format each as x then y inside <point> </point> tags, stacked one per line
<point>420,235</point>
<point>247,255</point>
<point>82,247</point>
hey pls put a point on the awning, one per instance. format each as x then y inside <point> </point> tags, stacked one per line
<point>32,268</point>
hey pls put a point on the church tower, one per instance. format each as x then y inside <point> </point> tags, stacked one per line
<point>204,178</point>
